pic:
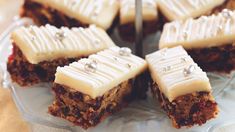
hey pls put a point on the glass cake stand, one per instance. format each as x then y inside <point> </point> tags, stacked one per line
<point>139,116</point>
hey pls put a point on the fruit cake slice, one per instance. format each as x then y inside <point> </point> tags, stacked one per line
<point>37,51</point>
<point>209,40</point>
<point>181,87</point>
<point>89,90</point>
<point>72,13</point>
<point>127,18</point>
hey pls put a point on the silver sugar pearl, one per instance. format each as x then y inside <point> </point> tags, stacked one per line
<point>168,68</point>
<point>189,70</point>
<point>32,38</point>
<point>128,65</point>
<point>227,13</point>
<point>31,28</point>
<point>124,51</point>
<point>16,18</point>
<point>183,59</point>
<point>203,18</point>
<point>94,61</point>
<point>163,52</point>
<point>90,66</point>
<point>97,41</point>
<point>60,35</point>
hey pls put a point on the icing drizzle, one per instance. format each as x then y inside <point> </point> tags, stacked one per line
<point>176,73</point>
<point>183,9</point>
<point>203,32</point>
<point>99,12</point>
<point>46,43</point>
<point>111,69</point>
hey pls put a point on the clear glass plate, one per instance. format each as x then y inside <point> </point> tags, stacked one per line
<point>139,116</point>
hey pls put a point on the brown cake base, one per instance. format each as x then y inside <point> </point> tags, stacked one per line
<point>189,109</point>
<point>215,59</point>
<point>141,85</point>
<point>127,31</point>
<point>84,111</point>
<point>42,15</point>
<point>26,74</point>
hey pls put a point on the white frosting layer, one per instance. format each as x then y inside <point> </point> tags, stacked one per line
<point>183,9</point>
<point>111,70</point>
<point>127,11</point>
<point>98,12</point>
<point>200,33</point>
<point>169,68</point>
<point>47,43</point>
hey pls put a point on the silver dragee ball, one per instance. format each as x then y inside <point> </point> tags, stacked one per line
<point>60,35</point>
<point>227,13</point>
<point>90,66</point>
<point>189,70</point>
<point>125,51</point>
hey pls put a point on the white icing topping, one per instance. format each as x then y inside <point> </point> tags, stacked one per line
<point>100,72</point>
<point>183,9</point>
<point>99,12</point>
<point>47,43</point>
<point>127,11</point>
<point>204,32</point>
<point>176,73</point>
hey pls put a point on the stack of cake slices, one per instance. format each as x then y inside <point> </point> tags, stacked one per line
<point>93,78</point>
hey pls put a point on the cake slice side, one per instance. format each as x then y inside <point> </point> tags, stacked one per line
<point>209,40</point>
<point>38,51</point>
<point>127,18</point>
<point>181,87</point>
<point>89,90</point>
<point>72,13</point>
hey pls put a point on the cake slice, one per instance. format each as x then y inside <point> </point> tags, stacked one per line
<point>181,87</point>
<point>183,9</point>
<point>72,13</point>
<point>37,51</point>
<point>89,90</point>
<point>127,18</point>
<point>209,40</point>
